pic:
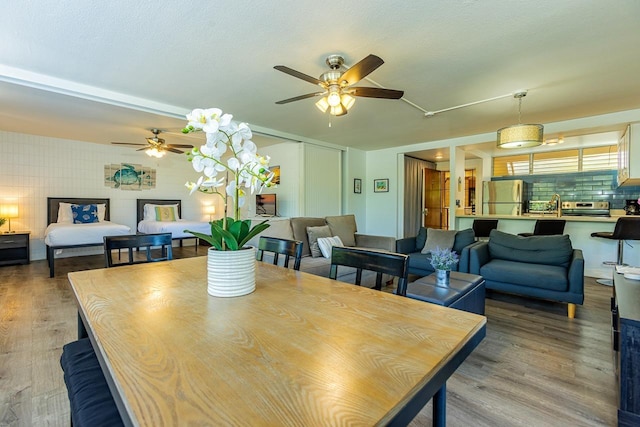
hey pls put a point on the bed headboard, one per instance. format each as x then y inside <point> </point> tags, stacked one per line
<point>141,202</point>
<point>53,202</point>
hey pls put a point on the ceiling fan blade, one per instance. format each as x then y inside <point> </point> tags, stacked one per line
<point>143,148</point>
<point>362,69</point>
<point>173,150</point>
<point>299,75</point>
<point>179,146</point>
<point>298,98</point>
<point>376,92</point>
<point>127,143</point>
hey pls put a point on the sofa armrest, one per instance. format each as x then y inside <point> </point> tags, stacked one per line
<point>463,263</point>
<point>478,256</point>
<point>376,242</point>
<point>406,245</point>
<point>576,273</point>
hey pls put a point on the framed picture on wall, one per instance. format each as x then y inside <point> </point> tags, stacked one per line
<point>381,185</point>
<point>276,174</point>
<point>357,185</point>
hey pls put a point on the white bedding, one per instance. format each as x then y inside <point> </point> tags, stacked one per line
<point>66,234</point>
<point>176,228</point>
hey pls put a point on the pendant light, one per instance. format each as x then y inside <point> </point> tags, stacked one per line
<point>520,136</point>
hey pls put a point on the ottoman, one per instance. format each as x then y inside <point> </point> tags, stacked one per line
<point>465,291</point>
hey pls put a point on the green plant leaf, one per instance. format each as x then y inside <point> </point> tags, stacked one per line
<point>259,228</point>
<point>213,240</point>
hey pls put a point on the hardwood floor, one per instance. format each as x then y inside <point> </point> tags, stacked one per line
<point>536,367</point>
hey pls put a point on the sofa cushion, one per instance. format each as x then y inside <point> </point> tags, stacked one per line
<point>439,239</point>
<point>280,228</point>
<point>548,250</point>
<point>463,238</point>
<point>299,226</point>
<point>421,238</point>
<point>313,234</point>
<point>343,226</point>
<point>551,277</point>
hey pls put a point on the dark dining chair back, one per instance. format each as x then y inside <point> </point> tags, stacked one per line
<point>390,263</point>
<point>482,227</point>
<point>546,227</point>
<point>288,248</point>
<point>137,241</point>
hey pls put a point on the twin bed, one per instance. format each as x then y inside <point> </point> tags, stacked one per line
<point>63,233</point>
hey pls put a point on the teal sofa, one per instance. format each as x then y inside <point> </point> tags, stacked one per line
<point>545,267</point>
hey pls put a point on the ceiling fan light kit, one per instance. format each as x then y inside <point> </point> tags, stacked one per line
<point>156,146</point>
<point>338,96</point>
<point>520,135</point>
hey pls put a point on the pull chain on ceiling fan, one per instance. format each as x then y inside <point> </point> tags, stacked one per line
<point>338,93</point>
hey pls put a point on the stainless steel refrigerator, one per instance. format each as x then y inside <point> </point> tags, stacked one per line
<point>502,197</point>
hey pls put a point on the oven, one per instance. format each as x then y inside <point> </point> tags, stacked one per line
<point>585,209</point>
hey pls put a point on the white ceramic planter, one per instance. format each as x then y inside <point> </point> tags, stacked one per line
<point>231,273</point>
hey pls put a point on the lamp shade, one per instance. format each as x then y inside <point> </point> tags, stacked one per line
<point>209,209</point>
<point>9,210</point>
<point>518,136</point>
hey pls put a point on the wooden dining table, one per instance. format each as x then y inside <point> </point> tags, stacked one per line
<point>301,350</point>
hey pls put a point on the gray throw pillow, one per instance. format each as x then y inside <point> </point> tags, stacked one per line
<point>313,234</point>
<point>436,238</point>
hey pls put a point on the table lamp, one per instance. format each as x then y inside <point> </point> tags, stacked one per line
<point>9,211</point>
<point>210,210</point>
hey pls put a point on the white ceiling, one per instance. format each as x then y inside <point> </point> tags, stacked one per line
<point>109,71</point>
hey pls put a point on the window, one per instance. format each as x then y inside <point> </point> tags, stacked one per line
<point>599,158</point>
<point>561,161</point>
<point>555,162</point>
<point>511,165</point>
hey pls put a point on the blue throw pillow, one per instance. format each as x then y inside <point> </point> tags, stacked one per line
<point>84,214</point>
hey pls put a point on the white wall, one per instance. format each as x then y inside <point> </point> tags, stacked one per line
<point>287,155</point>
<point>322,181</point>
<point>33,168</point>
<point>354,166</point>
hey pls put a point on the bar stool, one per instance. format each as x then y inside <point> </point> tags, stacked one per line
<point>482,227</point>
<point>546,227</point>
<point>627,228</point>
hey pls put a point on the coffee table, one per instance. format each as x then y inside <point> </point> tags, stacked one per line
<point>465,291</point>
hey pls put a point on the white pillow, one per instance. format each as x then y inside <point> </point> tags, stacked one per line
<point>65,214</point>
<point>149,211</point>
<point>326,243</point>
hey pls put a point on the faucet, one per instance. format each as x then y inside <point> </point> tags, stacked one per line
<point>556,199</point>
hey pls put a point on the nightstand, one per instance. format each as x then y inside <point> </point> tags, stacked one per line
<point>14,248</point>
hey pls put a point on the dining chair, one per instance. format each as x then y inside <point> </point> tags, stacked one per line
<point>482,228</point>
<point>546,227</point>
<point>380,262</point>
<point>288,248</point>
<point>137,241</point>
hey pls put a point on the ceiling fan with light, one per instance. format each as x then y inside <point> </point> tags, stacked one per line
<point>156,146</point>
<point>337,86</point>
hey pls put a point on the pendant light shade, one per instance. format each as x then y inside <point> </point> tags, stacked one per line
<point>520,136</point>
<point>517,136</point>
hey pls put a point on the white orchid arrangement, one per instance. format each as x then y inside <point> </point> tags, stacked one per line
<point>249,172</point>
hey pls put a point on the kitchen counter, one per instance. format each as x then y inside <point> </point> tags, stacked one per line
<point>568,218</point>
<point>579,228</point>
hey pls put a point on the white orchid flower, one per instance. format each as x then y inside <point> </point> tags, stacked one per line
<point>193,187</point>
<point>212,183</point>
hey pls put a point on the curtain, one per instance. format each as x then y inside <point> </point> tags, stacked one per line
<point>413,193</point>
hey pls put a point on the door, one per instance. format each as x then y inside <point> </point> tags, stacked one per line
<point>433,183</point>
